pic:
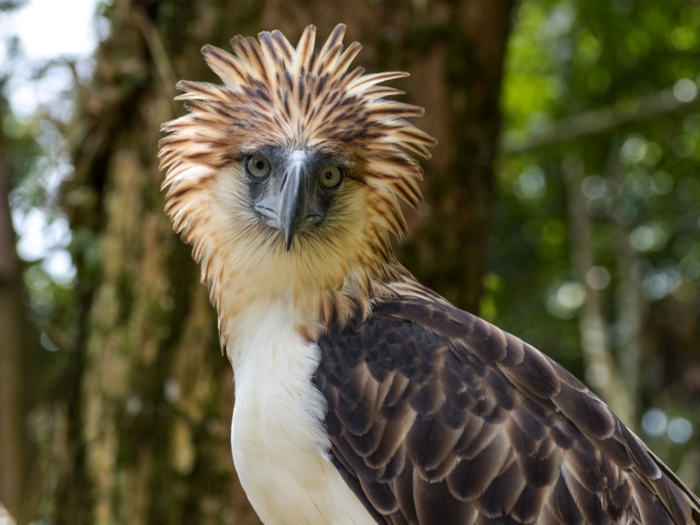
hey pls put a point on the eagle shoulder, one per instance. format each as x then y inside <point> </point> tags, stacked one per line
<point>437,417</point>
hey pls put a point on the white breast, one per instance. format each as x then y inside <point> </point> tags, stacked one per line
<point>280,448</point>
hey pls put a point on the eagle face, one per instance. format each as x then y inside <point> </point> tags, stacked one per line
<point>290,173</point>
<point>294,190</point>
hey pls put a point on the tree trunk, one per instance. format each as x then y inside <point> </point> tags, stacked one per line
<point>155,393</point>
<point>456,60</point>
<point>601,372</point>
<point>12,389</point>
<point>629,303</point>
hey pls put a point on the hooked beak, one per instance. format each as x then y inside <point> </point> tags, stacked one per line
<point>296,205</point>
<point>292,197</point>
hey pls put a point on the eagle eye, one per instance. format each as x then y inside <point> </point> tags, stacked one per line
<point>258,166</point>
<point>330,177</point>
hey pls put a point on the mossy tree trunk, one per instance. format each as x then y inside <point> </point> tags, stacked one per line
<point>149,429</point>
<point>13,390</point>
<point>151,423</point>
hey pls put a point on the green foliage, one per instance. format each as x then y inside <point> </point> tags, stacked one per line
<point>566,58</point>
<point>10,5</point>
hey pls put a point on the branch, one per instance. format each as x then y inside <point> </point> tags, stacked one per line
<point>13,474</point>
<point>597,121</point>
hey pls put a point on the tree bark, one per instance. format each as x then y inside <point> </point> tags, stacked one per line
<point>155,395</point>
<point>12,370</point>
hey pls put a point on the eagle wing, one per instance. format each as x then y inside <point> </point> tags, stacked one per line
<point>438,417</point>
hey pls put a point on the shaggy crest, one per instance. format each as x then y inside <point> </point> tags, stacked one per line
<point>303,97</point>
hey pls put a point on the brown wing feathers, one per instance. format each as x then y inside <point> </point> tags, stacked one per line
<point>437,417</point>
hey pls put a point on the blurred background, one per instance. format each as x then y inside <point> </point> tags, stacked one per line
<point>562,204</point>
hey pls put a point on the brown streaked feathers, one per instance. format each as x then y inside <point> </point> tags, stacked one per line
<point>275,94</point>
<point>434,415</point>
<point>438,417</point>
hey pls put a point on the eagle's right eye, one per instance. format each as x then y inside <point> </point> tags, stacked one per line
<point>330,177</point>
<point>258,166</point>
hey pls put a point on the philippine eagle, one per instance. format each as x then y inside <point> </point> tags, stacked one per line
<point>362,396</point>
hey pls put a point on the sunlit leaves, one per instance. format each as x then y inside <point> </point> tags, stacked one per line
<point>554,232</point>
<point>588,49</point>
<point>566,300</point>
<point>531,183</point>
<point>683,38</point>
<point>649,237</point>
<point>633,149</point>
<point>657,425</point>
<point>534,84</point>
<point>640,186</point>
<point>685,90</point>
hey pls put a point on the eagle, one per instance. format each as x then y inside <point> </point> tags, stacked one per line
<point>361,396</point>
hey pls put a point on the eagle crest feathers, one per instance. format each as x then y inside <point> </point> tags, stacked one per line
<point>303,97</point>
<point>275,95</point>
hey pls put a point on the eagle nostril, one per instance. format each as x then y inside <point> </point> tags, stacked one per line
<point>313,218</point>
<point>266,212</point>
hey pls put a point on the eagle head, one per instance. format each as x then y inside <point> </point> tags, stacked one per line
<point>286,179</point>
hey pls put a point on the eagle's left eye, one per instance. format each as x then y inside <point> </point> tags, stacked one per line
<point>330,176</point>
<point>258,166</point>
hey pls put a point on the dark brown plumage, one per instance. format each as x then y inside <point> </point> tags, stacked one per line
<point>438,417</point>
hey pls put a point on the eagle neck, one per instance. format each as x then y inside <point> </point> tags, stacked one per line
<point>246,293</point>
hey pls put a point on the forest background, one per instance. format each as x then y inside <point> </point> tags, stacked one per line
<point>562,204</point>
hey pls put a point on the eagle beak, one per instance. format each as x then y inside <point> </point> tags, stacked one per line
<point>292,203</point>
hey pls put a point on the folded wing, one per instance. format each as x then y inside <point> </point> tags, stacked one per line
<point>437,417</point>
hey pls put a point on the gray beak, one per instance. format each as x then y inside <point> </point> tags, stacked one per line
<point>292,197</point>
<point>296,203</point>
